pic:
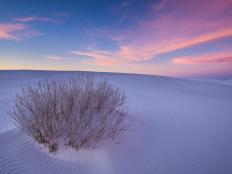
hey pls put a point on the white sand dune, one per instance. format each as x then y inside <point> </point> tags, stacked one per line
<point>180,127</point>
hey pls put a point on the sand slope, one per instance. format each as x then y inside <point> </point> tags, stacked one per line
<point>180,127</point>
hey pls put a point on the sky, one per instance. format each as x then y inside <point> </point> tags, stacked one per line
<point>180,38</point>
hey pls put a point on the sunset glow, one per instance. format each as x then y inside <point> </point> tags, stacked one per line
<point>161,37</point>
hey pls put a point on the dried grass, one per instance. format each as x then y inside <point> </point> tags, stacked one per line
<point>81,112</point>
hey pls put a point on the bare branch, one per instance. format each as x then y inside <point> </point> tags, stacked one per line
<point>81,112</point>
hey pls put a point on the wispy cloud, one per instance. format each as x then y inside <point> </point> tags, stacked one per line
<point>18,29</point>
<point>10,31</point>
<point>25,19</point>
<point>215,58</point>
<point>36,18</point>
<point>101,58</point>
<point>132,53</point>
<point>61,14</point>
<point>160,6</point>
<point>169,30</point>
<point>55,58</point>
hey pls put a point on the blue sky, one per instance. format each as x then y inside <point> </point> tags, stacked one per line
<point>163,37</point>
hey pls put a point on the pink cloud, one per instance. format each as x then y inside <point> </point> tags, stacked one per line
<point>131,53</point>
<point>176,44</point>
<point>173,30</point>
<point>19,30</point>
<point>217,58</point>
<point>170,30</point>
<point>101,62</point>
<point>16,31</point>
<point>101,58</point>
<point>9,31</point>
<point>56,58</point>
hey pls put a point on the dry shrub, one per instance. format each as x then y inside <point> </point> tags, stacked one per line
<point>79,112</point>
